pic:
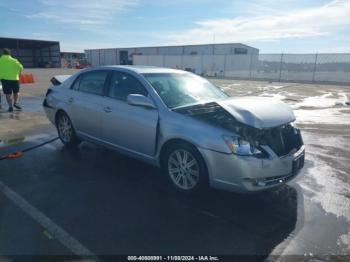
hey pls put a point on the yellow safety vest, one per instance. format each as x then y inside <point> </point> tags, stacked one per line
<point>10,68</point>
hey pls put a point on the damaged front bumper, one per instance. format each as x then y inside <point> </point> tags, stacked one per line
<point>249,174</point>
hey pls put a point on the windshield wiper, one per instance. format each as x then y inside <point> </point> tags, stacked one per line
<point>193,104</point>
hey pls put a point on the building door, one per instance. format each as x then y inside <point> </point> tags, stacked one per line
<point>123,57</point>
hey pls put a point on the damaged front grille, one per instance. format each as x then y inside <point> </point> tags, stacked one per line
<point>282,140</point>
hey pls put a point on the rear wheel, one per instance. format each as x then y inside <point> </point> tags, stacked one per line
<point>185,168</point>
<point>66,131</point>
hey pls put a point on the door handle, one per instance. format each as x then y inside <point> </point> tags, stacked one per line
<point>107,109</point>
<point>71,100</point>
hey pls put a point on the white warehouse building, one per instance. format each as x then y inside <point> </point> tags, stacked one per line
<point>209,59</point>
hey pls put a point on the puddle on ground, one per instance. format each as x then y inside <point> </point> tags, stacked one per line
<point>29,104</point>
<point>11,141</point>
<point>327,184</point>
<point>332,116</point>
<point>326,100</point>
<point>32,104</point>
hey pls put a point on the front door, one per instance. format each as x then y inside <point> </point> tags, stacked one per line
<point>132,128</point>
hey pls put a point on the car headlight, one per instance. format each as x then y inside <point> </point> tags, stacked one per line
<point>241,147</point>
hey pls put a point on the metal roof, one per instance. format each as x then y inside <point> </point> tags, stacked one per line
<point>13,43</point>
<point>165,46</point>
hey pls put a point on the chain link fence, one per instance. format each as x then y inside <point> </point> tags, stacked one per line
<point>332,68</point>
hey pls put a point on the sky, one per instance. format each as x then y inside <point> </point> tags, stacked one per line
<point>273,26</point>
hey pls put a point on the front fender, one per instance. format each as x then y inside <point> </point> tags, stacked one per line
<point>195,132</point>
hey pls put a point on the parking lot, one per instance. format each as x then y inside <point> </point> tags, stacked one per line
<point>92,201</point>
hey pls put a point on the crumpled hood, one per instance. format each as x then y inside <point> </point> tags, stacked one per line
<point>258,112</point>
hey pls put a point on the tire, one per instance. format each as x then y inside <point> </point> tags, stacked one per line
<point>185,168</point>
<point>66,130</point>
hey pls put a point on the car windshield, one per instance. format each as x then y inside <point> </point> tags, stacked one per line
<point>177,90</point>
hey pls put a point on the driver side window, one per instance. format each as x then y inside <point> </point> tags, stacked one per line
<point>168,89</point>
<point>122,85</point>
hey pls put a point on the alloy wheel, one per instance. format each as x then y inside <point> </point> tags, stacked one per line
<point>183,169</point>
<point>65,128</point>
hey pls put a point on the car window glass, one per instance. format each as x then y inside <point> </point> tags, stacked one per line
<point>122,85</point>
<point>76,83</point>
<point>183,89</point>
<point>93,82</point>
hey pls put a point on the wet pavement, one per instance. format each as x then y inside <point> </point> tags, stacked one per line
<point>116,205</point>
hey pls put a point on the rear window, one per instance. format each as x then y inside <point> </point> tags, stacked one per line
<point>91,82</point>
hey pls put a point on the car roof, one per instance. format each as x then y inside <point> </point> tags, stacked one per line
<point>144,69</point>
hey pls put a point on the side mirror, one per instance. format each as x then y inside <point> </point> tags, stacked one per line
<point>140,100</point>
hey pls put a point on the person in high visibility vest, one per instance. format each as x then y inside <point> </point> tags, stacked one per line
<point>10,69</point>
<point>0,97</point>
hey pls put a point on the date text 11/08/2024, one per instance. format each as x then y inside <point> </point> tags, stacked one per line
<point>173,258</point>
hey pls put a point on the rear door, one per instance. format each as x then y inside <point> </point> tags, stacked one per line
<point>132,128</point>
<point>86,103</point>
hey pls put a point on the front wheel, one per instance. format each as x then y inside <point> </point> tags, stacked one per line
<point>66,131</point>
<point>185,168</point>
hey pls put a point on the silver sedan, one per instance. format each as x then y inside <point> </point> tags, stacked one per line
<point>180,122</point>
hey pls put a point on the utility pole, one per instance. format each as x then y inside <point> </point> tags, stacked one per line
<point>250,66</point>
<point>315,67</point>
<point>279,79</point>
